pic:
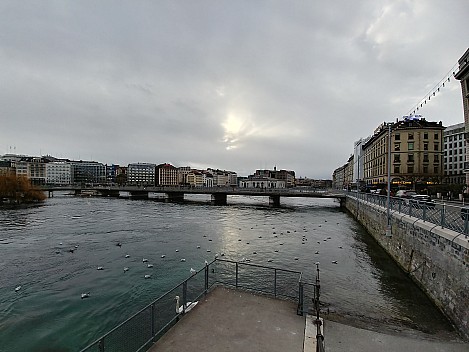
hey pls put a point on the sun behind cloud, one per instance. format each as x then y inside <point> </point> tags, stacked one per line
<point>237,126</point>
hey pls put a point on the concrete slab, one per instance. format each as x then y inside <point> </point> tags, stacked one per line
<point>236,321</point>
<point>340,337</point>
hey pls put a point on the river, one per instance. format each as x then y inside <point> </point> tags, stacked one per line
<point>53,251</point>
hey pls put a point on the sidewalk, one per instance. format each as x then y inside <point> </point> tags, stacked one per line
<point>236,321</point>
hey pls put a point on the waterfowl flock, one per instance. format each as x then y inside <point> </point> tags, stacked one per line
<point>260,245</point>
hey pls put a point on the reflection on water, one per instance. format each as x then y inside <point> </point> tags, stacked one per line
<point>53,252</point>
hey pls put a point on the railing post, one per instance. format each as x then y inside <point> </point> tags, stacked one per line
<point>184,296</point>
<point>300,299</point>
<point>101,345</point>
<point>275,283</point>
<point>153,320</point>
<point>236,274</point>
<point>442,220</point>
<point>206,278</point>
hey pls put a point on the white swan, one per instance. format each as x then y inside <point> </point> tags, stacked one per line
<point>18,288</point>
<point>186,308</point>
<point>193,271</point>
<point>85,295</point>
<point>144,260</point>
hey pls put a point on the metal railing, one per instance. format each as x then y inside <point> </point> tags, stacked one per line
<point>450,216</point>
<point>138,332</point>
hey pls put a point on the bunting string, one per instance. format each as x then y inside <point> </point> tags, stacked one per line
<point>444,82</point>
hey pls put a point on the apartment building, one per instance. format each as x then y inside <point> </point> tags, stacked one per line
<point>91,172</point>
<point>463,76</point>
<point>59,173</point>
<point>454,154</point>
<point>166,175</point>
<point>141,174</point>
<point>416,153</point>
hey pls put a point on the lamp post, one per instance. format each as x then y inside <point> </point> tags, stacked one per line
<point>388,200</point>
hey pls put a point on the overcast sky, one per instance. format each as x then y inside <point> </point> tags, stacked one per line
<point>236,85</point>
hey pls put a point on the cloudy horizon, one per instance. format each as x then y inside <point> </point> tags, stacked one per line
<point>235,85</point>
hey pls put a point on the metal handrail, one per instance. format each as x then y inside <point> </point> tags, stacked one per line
<point>154,333</point>
<point>439,214</point>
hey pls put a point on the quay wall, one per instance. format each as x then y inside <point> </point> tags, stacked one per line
<point>437,259</point>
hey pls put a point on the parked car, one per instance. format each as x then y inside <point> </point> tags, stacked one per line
<point>421,200</point>
<point>405,193</point>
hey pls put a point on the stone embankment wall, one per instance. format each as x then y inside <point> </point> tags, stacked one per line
<point>436,259</point>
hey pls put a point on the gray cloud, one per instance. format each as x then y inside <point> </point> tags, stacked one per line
<point>238,85</point>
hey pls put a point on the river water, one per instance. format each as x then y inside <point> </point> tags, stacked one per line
<point>48,314</point>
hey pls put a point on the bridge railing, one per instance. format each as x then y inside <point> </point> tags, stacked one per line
<point>138,332</point>
<point>453,217</point>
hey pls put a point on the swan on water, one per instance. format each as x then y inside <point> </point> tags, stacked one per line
<point>193,271</point>
<point>188,306</point>
<point>126,269</point>
<point>147,276</point>
<point>150,266</point>
<point>18,288</point>
<point>144,260</point>
<point>127,256</point>
<point>100,268</point>
<point>162,256</point>
<point>334,262</point>
<point>85,295</point>
<point>183,259</point>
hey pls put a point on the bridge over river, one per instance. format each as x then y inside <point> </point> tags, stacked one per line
<point>218,194</point>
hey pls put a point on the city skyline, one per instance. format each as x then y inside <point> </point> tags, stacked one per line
<point>230,85</point>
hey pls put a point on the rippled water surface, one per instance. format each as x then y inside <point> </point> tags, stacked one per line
<point>48,314</point>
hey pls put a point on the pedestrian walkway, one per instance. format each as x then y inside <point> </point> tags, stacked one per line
<point>236,321</point>
<point>341,338</point>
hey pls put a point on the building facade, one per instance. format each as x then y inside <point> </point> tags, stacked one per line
<point>166,175</point>
<point>463,76</point>
<point>59,173</point>
<point>88,172</point>
<point>262,182</point>
<point>454,154</point>
<point>416,154</point>
<point>141,174</point>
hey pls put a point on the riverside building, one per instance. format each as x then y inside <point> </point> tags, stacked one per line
<point>463,76</point>
<point>416,154</point>
<point>454,154</point>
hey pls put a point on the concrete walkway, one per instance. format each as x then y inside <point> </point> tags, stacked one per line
<point>340,338</point>
<point>236,321</point>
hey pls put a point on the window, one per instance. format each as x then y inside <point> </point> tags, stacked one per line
<point>425,158</point>
<point>397,169</point>
<point>436,158</point>
<point>460,144</point>
<point>425,135</point>
<point>425,169</point>
<point>410,169</point>
<point>397,137</point>
<point>397,158</point>
<point>425,146</point>
<point>410,136</point>
<point>397,146</point>
<point>436,170</point>
<point>410,146</point>
<point>410,158</point>
<point>436,147</point>
<point>450,159</point>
